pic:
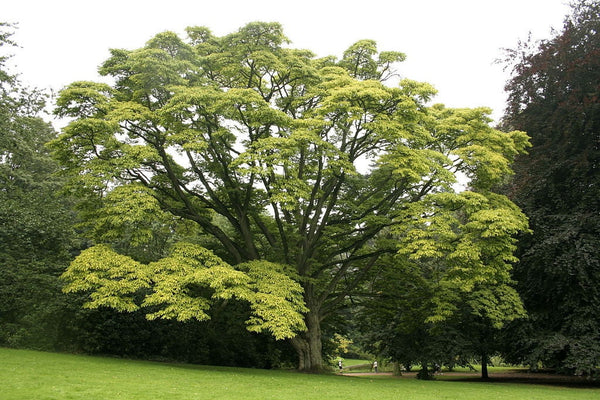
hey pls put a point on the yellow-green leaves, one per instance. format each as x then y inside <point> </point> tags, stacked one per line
<point>129,211</point>
<point>111,279</point>
<point>276,300</point>
<point>482,153</point>
<point>83,99</point>
<point>498,304</point>
<point>185,284</point>
<point>359,60</point>
<point>470,238</point>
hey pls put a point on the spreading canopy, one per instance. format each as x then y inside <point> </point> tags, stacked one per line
<point>277,155</point>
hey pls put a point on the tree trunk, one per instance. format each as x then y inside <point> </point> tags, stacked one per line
<point>424,373</point>
<point>397,369</point>
<point>484,365</point>
<point>308,345</point>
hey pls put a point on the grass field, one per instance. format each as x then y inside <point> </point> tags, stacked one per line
<point>37,375</point>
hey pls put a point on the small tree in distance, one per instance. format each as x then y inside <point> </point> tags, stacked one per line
<point>297,167</point>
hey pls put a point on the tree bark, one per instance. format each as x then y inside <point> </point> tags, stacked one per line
<point>397,369</point>
<point>309,346</point>
<point>484,366</point>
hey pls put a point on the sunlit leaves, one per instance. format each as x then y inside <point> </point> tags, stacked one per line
<point>185,284</point>
<point>498,304</point>
<point>128,211</point>
<point>276,300</point>
<point>83,99</point>
<point>471,238</point>
<point>112,279</point>
<point>482,153</point>
<point>359,60</point>
<point>181,279</point>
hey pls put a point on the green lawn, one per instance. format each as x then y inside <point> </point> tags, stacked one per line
<point>36,375</point>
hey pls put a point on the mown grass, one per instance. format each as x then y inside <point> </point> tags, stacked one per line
<point>36,375</point>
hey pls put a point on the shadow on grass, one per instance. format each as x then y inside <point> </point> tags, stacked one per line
<point>509,377</point>
<point>529,378</point>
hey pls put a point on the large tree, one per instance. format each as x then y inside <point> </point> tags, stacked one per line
<point>554,95</point>
<point>295,165</point>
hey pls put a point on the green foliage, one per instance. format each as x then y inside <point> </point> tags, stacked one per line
<point>264,149</point>
<point>222,340</point>
<point>36,235</point>
<point>342,345</point>
<point>469,237</point>
<point>184,285</point>
<point>275,299</point>
<point>113,277</point>
<point>443,298</point>
<point>37,242</point>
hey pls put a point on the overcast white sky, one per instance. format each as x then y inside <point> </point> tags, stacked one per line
<point>451,44</point>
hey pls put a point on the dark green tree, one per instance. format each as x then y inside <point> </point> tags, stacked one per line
<point>36,233</point>
<point>554,95</point>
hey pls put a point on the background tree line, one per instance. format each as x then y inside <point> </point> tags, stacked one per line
<point>412,311</point>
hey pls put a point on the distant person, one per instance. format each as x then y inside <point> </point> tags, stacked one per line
<point>340,365</point>
<point>375,366</point>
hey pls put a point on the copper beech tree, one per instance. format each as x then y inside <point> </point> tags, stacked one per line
<point>554,94</point>
<point>298,167</point>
